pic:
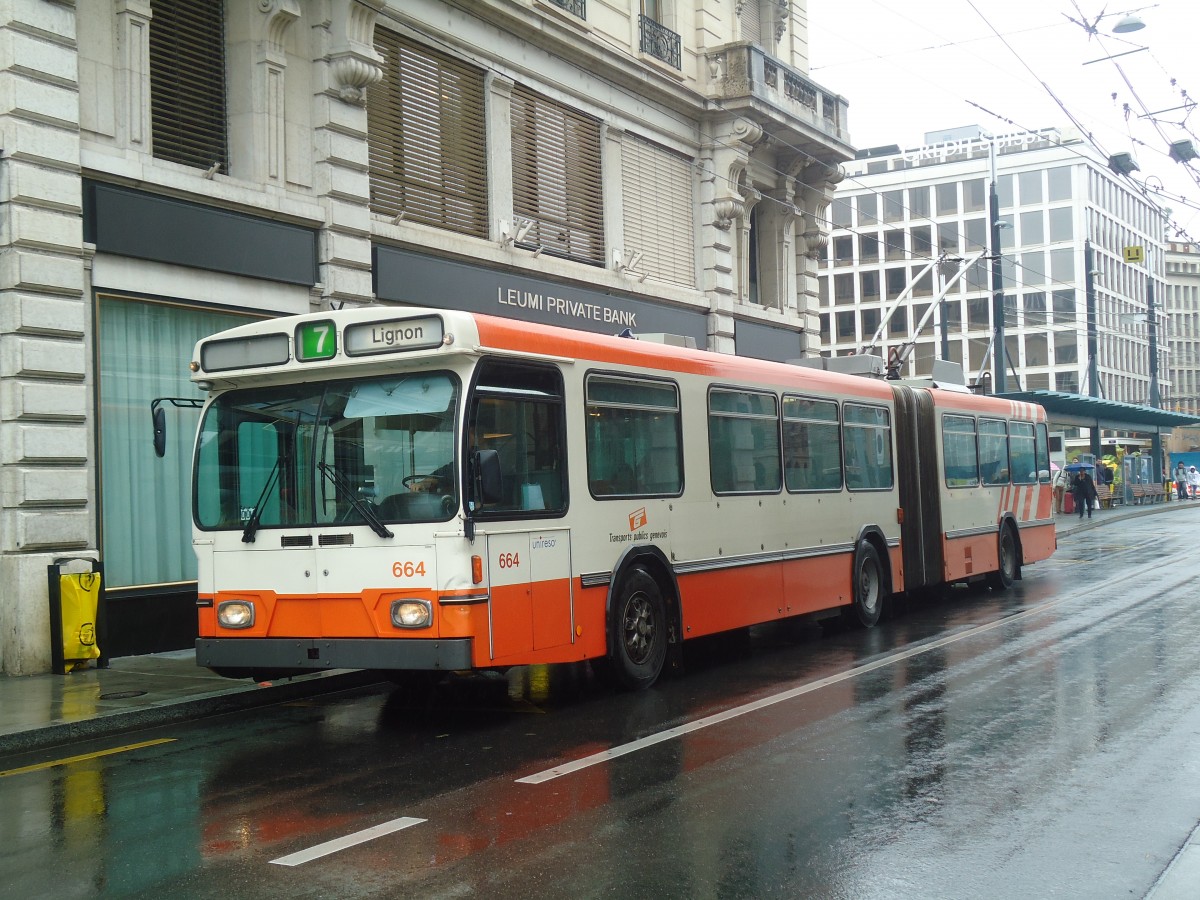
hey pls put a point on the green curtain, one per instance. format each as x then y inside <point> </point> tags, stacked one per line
<point>144,350</point>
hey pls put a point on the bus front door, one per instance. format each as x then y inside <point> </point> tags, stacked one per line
<point>531,606</point>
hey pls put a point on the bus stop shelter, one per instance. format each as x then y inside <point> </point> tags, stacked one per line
<point>1096,413</point>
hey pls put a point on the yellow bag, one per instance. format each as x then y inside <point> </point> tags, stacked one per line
<point>80,596</point>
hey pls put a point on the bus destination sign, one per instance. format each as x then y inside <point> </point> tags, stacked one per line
<point>393,336</point>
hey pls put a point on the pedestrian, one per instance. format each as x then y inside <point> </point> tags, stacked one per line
<point>1083,489</point>
<point>1193,480</point>
<point>1181,482</point>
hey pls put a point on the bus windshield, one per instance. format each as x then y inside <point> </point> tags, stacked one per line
<point>325,453</point>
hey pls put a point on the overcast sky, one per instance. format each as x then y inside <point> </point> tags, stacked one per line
<point>912,67</point>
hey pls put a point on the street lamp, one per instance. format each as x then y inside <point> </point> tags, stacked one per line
<point>1128,24</point>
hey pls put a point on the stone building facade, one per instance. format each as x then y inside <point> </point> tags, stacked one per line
<point>172,167</point>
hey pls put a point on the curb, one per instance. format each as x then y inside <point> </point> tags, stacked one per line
<point>212,704</point>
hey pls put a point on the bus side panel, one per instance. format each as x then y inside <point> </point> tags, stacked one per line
<point>723,599</point>
<point>1038,542</point>
<point>968,556</point>
<point>811,585</point>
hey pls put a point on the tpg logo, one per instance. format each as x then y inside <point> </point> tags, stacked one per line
<point>637,519</point>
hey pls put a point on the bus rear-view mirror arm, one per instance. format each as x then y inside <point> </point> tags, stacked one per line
<point>159,417</point>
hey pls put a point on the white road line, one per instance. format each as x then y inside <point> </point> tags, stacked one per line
<point>350,840</point>
<point>672,733</point>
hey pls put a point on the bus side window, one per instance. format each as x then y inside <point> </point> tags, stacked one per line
<point>634,447</point>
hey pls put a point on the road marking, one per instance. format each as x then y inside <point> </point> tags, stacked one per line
<point>342,843</point>
<point>74,759</point>
<point>716,719</point>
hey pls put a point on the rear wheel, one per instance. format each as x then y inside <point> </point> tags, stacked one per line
<point>1002,579</point>
<point>638,632</point>
<point>869,584</point>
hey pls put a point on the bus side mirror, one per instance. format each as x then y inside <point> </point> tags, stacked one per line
<point>489,480</point>
<point>159,415</point>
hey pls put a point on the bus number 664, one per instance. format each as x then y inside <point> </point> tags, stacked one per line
<point>510,560</point>
<point>407,569</point>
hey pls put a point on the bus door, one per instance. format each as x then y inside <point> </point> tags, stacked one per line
<point>516,412</point>
<point>531,605</point>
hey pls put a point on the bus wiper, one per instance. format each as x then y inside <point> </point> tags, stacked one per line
<point>256,513</point>
<point>362,508</point>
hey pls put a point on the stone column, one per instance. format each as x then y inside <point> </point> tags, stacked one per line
<point>46,442</point>
<point>346,67</point>
<point>722,210</point>
<point>814,193</point>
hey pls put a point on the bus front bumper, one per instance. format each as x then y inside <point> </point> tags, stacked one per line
<point>316,655</point>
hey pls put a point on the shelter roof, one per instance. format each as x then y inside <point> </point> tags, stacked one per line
<point>1088,412</point>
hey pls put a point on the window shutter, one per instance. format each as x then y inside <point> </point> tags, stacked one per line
<point>427,139</point>
<point>187,82</point>
<point>556,177</point>
<point>657,198</point>
<point>751,22</point>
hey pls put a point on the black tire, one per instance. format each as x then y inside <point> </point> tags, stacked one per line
<point>1003,578</point>
<point>869,585</point>
<point>638,632</point>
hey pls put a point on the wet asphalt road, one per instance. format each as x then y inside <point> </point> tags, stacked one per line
<point>1034,743</point>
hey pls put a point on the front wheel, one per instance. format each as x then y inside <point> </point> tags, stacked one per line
<point>868,586</point>
<point>638,632</point>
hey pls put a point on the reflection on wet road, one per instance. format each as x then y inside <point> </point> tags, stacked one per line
<point>1035,742</point>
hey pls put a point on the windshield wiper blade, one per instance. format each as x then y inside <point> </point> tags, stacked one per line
<point>362,508</point>
<point>256,513</point>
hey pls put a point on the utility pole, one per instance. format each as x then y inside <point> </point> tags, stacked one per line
<point>1089,266</point>
<point>1155,399</point>
<point>999,356</point>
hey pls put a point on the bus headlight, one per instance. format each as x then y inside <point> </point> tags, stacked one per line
<point>412,613</point>
<point>235,614</point>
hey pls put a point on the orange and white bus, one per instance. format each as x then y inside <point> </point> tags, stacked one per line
<point>424,489</point>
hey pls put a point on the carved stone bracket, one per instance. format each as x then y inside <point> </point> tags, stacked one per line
<point>782,12</point>
<point>352,58</point>
<point>731,156</point>
<point>814,193</point>
<point>278,18</point>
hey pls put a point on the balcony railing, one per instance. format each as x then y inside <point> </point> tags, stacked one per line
<point>743,72</point>
<point>661,42</point>
<point>574,7</point>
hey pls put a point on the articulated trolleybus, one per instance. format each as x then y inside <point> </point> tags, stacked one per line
<point>420,489</point>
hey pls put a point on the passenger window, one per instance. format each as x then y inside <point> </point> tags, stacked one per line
<point>1024,457</point>
<point>812,446</point>
<point>633,437</point>
<point>743,442</point>
<point>993,451</point>
<point>867,450</point>
<point>959,456</point>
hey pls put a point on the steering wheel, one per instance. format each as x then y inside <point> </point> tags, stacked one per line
<point>409,480</point>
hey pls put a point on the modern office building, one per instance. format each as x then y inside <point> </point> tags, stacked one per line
<point>1183,327</point>
<point>173,167</point>
<point>907,222</point>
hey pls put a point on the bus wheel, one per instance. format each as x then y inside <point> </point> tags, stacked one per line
<point>1003,579</point>
<point>638,630</point>
<point>868,586</point>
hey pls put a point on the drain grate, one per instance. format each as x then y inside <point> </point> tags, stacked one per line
<point>121,695</point>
